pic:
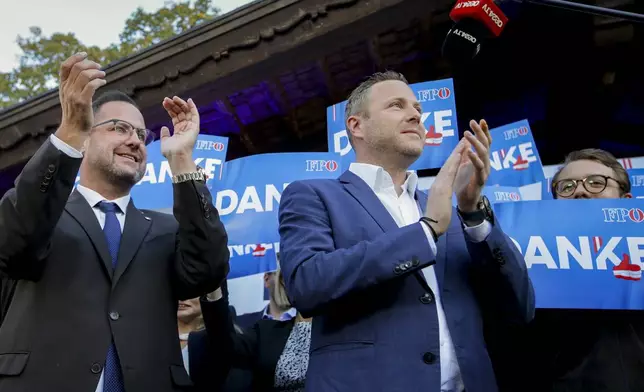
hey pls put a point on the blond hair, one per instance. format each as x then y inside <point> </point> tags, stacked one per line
<point>279,293</point>
<point>359,97</point>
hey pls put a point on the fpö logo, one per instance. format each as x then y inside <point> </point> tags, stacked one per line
<point>506,196</point>
<point>319,165</point>
<point>511,134</point>
<point>209,145</point>
<point>623,215</point>
<point>637,180</point>
<point>432,94</point>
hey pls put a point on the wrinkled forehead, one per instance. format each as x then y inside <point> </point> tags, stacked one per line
<point>583,168</point>
<point>120,111</point>
<point>389,90</point>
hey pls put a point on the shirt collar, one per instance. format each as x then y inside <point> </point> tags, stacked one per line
<point>93,198</point>
<point>286,316</point>
<point>378,179</point>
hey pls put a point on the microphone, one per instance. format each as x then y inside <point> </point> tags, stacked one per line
<point>476,22</point>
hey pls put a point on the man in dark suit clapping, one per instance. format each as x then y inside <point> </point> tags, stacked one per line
<point>95,305</point>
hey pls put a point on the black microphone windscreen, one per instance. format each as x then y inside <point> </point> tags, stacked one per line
<point>463,41</point>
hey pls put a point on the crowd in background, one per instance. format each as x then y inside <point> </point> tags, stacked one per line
<point>379,286</point>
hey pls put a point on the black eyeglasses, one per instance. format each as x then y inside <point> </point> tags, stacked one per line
<point>595,183</point>
<point>126,129</point>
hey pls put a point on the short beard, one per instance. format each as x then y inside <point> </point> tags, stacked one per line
<point>384,149</point>
<point>120,179</point>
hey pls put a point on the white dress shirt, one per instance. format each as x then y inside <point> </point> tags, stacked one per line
<point>93,198</point>
<point>404,210</point>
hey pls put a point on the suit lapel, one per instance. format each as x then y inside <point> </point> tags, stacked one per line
<point>441,256</point>
<point>368,199</point>
<point>136,228</point>
<point>80,210</point>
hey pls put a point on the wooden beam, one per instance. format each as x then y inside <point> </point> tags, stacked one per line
<point>282,98</point>
<point>334,93</point>
<point>374,53</point>
<point>243,130</point>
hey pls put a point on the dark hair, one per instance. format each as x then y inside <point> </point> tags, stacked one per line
<point>358,97</point>
<point>111,96</point>
<point>605,158</point>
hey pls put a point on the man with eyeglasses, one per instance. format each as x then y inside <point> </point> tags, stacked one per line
<point>98,280</point>
<point>591,174</point>
<point>588,350</point>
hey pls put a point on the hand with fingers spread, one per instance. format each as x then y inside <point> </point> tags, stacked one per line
<point>79,80</point>
<point>178,147</point>
<point>439,203</point>
<point>474,168</point>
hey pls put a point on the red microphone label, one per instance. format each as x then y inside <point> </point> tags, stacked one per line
<point>484,11</point>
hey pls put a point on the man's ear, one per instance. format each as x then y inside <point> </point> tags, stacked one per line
<point>354,126</point>
<point>85,145</point>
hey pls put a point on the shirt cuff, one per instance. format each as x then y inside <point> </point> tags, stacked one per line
<point>214,296</point>
<point>430,237</point>
<point>64,147</point>
<point>479,232</point>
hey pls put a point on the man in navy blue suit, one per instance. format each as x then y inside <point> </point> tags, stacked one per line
<point>399,283</point>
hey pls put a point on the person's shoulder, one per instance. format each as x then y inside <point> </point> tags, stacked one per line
<point>314,184</point>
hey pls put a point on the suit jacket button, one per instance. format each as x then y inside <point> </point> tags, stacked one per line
<point>96,368</point>
<point>51,168</point>
<point>114,316</point>
<point>415,262</point>
<point>429,358</point>
<point>425,298</point>
<point>397,270</point>
<point>408,265</point>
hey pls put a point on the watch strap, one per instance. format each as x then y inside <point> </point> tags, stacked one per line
<point>475,218</point>
<point>193,176</point>
<point>199,175</point>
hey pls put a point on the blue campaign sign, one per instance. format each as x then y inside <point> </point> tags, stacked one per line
<point>637,182</point>
<point>154,191</point>
<point>546,189</point>
<point>439,116</point>
<point>514,157</point>
<point>581,254</point>
<point>502,194</point>
<point>499,194</point>
<point>248,202</point>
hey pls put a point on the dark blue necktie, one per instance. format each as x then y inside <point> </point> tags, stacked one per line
<point>112,376</point>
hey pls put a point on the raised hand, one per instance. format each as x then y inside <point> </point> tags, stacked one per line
<point>439,203</point>
<point>79,80</point>
<point>185,121</point>
<point>474,168</point>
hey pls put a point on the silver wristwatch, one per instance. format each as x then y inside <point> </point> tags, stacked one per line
<point>199,175</point>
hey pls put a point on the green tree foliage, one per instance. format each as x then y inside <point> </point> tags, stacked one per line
<point>37,71</point>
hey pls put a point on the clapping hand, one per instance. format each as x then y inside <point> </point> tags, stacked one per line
<point>79,80</point>
<point>474,168</point>
<point>185,121</point>
<point>439,203</point>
